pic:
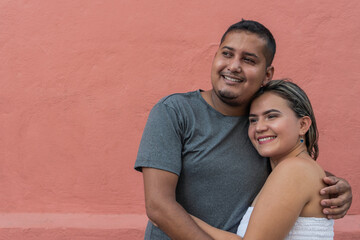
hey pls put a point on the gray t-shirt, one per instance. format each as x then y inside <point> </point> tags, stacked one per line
<point>219,171</point>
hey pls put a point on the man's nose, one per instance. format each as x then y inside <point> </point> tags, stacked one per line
<point>234,66</point>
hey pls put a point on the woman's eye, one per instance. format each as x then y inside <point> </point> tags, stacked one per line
<point>271,116</point>
<point>252,120</point>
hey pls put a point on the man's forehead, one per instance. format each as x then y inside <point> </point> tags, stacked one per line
<point>245,41</point>
<point>252,35</point>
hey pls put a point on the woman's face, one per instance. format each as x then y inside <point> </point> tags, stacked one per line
<point>274,128</point>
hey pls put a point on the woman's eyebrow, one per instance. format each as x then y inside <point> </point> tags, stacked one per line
<point>264,113</point>
<point>271,110</point>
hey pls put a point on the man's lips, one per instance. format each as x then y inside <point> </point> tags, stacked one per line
<point>232,78</point>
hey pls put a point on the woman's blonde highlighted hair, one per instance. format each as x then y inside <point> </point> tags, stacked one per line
<point>300,104</point>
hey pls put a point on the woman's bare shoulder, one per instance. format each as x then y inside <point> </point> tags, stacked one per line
<point>301,170</point>
<point>298,165</point>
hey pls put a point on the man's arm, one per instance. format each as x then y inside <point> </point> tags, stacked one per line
<point>340,194</point>
<point>162,208</point>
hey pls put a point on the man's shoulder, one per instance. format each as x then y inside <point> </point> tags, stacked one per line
<point>182,101</point>
<point>180,97</point>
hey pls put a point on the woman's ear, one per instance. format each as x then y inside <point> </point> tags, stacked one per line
<point>305,123</point>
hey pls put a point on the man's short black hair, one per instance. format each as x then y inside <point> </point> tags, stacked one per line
<point>258,29</point>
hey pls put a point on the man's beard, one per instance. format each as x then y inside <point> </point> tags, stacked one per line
<point>228,97</point>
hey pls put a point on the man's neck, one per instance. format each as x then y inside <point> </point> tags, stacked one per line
<point>224,108</point>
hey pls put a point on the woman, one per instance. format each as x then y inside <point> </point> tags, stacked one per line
<point>283,128</point>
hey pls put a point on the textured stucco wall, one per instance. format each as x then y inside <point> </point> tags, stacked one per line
<point>78,79</point>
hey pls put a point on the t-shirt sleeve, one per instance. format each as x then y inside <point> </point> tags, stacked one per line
<point>161,142</point>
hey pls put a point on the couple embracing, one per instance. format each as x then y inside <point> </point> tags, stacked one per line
<point>243,151</point>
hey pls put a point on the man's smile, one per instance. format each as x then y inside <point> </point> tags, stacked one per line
<point>232,78</point>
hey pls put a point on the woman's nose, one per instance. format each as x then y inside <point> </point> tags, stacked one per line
<point>261,126</point>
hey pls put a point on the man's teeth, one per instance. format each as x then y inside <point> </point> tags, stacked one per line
<point>265,139</point>
<point>232,79</point>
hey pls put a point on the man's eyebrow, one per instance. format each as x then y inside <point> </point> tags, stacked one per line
<point>251,54</point>
<point>245,53</point>
<point>230,48</point>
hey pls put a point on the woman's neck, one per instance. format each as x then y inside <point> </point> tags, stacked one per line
<point>299,151</point>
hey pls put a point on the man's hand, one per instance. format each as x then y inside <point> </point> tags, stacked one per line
<point>340,200</point>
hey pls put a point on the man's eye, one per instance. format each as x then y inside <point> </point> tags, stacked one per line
<point>249,60</point>
<point>227,54</point>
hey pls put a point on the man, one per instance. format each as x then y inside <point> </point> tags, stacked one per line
<point>195,154</point>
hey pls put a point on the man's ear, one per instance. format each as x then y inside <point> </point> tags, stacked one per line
<point>305,123</point>
<point>268,75</point>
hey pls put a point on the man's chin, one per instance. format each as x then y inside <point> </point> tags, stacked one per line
<point>229,98</point>
<point>227,95</point>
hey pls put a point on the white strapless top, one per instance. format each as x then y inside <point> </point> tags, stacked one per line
<point>305,228</point>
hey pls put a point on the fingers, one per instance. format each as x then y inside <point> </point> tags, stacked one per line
<point>343,199</point>
<point>337,207</point>
<point>331,180</point>
<point>337,212</point>
<point>340,200</point>
<point>332,190</point>
<point>337,186</point>
<point>337,202</point>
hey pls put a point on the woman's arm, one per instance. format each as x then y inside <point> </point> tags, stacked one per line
<point>287,190</point>
<point>215,233</point>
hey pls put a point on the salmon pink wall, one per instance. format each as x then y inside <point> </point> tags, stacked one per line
<point>78,79</point>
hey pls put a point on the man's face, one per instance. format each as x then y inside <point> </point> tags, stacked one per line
<point>239,68</point>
